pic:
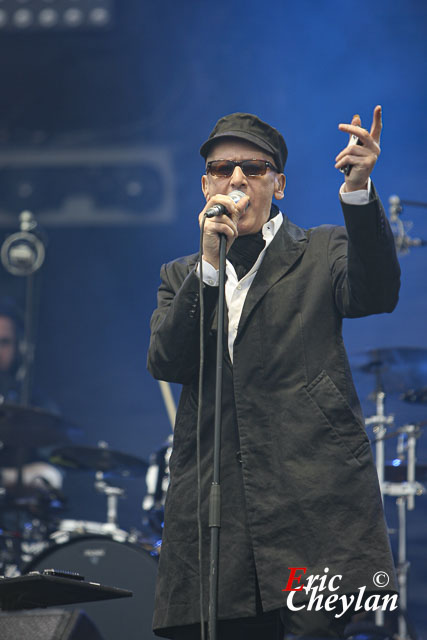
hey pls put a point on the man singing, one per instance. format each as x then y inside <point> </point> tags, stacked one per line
<point>298,483</point>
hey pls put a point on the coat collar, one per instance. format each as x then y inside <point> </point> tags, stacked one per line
<point>285,249</point>
<point>287,246</point>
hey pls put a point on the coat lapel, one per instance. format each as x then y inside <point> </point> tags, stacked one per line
<point>214,328</point>
<point>285,249</point>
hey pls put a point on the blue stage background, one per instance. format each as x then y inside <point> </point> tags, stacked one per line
<point>161,79</point>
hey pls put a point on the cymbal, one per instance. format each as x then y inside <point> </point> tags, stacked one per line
<point>11,456</point>
<point>99,459</point>
<point>28,498</point>
<point>397,370</point>
<point>27,427</point>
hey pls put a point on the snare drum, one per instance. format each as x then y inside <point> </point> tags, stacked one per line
<point>102,559</point>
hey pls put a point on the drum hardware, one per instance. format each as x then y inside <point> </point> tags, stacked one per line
<point>396,471</point>
<point>71,528</point>
<point>380,422</point>
<point>405,493</point>
<point>31,496</point>
<point>27,519</point>
<point>399,370</point>
<point>403,489</point>
<point>103,461</point>
<point>404,467</point>
<point>415,396</point>
<point>35,427</point>
<point>112,493</point>
<point>22,255</point>
<point>401,228</point>
<point>99,458</point>
<point>157,481</point>
<point>157,477</point>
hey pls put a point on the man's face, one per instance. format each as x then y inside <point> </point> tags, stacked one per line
<point>260,189</point>
<point>7,343</point>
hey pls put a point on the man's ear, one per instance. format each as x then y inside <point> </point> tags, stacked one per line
<point>205,187</point>
<point>279,185</point>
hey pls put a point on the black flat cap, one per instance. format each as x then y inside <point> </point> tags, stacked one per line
<point>249,127</point>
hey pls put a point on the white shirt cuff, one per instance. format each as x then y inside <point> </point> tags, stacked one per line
<point>362,196</point>
<point>210,274</point>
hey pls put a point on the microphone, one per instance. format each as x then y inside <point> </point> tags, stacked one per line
<point>219,209</point>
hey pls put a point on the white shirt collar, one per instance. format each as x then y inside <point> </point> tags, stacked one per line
<point>271,227</point>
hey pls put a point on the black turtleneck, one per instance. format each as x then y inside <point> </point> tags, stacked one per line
<point>245,249</point>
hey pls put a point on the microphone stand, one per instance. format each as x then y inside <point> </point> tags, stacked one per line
<point>215,494</point>
<point>403,240</point>
<point>22,255</point>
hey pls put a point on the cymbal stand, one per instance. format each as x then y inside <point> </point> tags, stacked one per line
<point>113,494</point>
<point>403,240</point>
<point>413,432</point>
<point>380,422</point>
<point>405,493</point>
<point>22,254</point>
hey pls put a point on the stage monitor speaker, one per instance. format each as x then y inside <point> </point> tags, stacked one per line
<point>52,624</point>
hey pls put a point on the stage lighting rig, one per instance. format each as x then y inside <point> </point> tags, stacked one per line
<point>53,15</point>
<point>90,186</point>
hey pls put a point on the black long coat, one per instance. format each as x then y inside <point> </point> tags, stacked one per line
<point>299,487</point>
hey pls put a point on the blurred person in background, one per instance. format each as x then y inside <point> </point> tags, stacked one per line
<point>38,473</point>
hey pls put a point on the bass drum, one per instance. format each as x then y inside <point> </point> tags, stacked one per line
<point>115,564</point>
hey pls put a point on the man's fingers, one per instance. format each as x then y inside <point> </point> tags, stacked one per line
<point>354,149</point>
<point>358,131</point>
<point>353,158</point>
<point>228,230</point>
<point>364,136</point>
<point>221,224</point>
<point>356,121</point>
<point>377,124</point>
<point>362,158</point>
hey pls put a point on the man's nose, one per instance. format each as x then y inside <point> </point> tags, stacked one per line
<point>238,178</point>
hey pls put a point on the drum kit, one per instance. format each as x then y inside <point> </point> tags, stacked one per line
<point>36,448</point>
<point>401,374</point>
<point>32,465</point>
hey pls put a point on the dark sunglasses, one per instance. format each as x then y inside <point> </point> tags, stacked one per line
<point>225,168</point>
